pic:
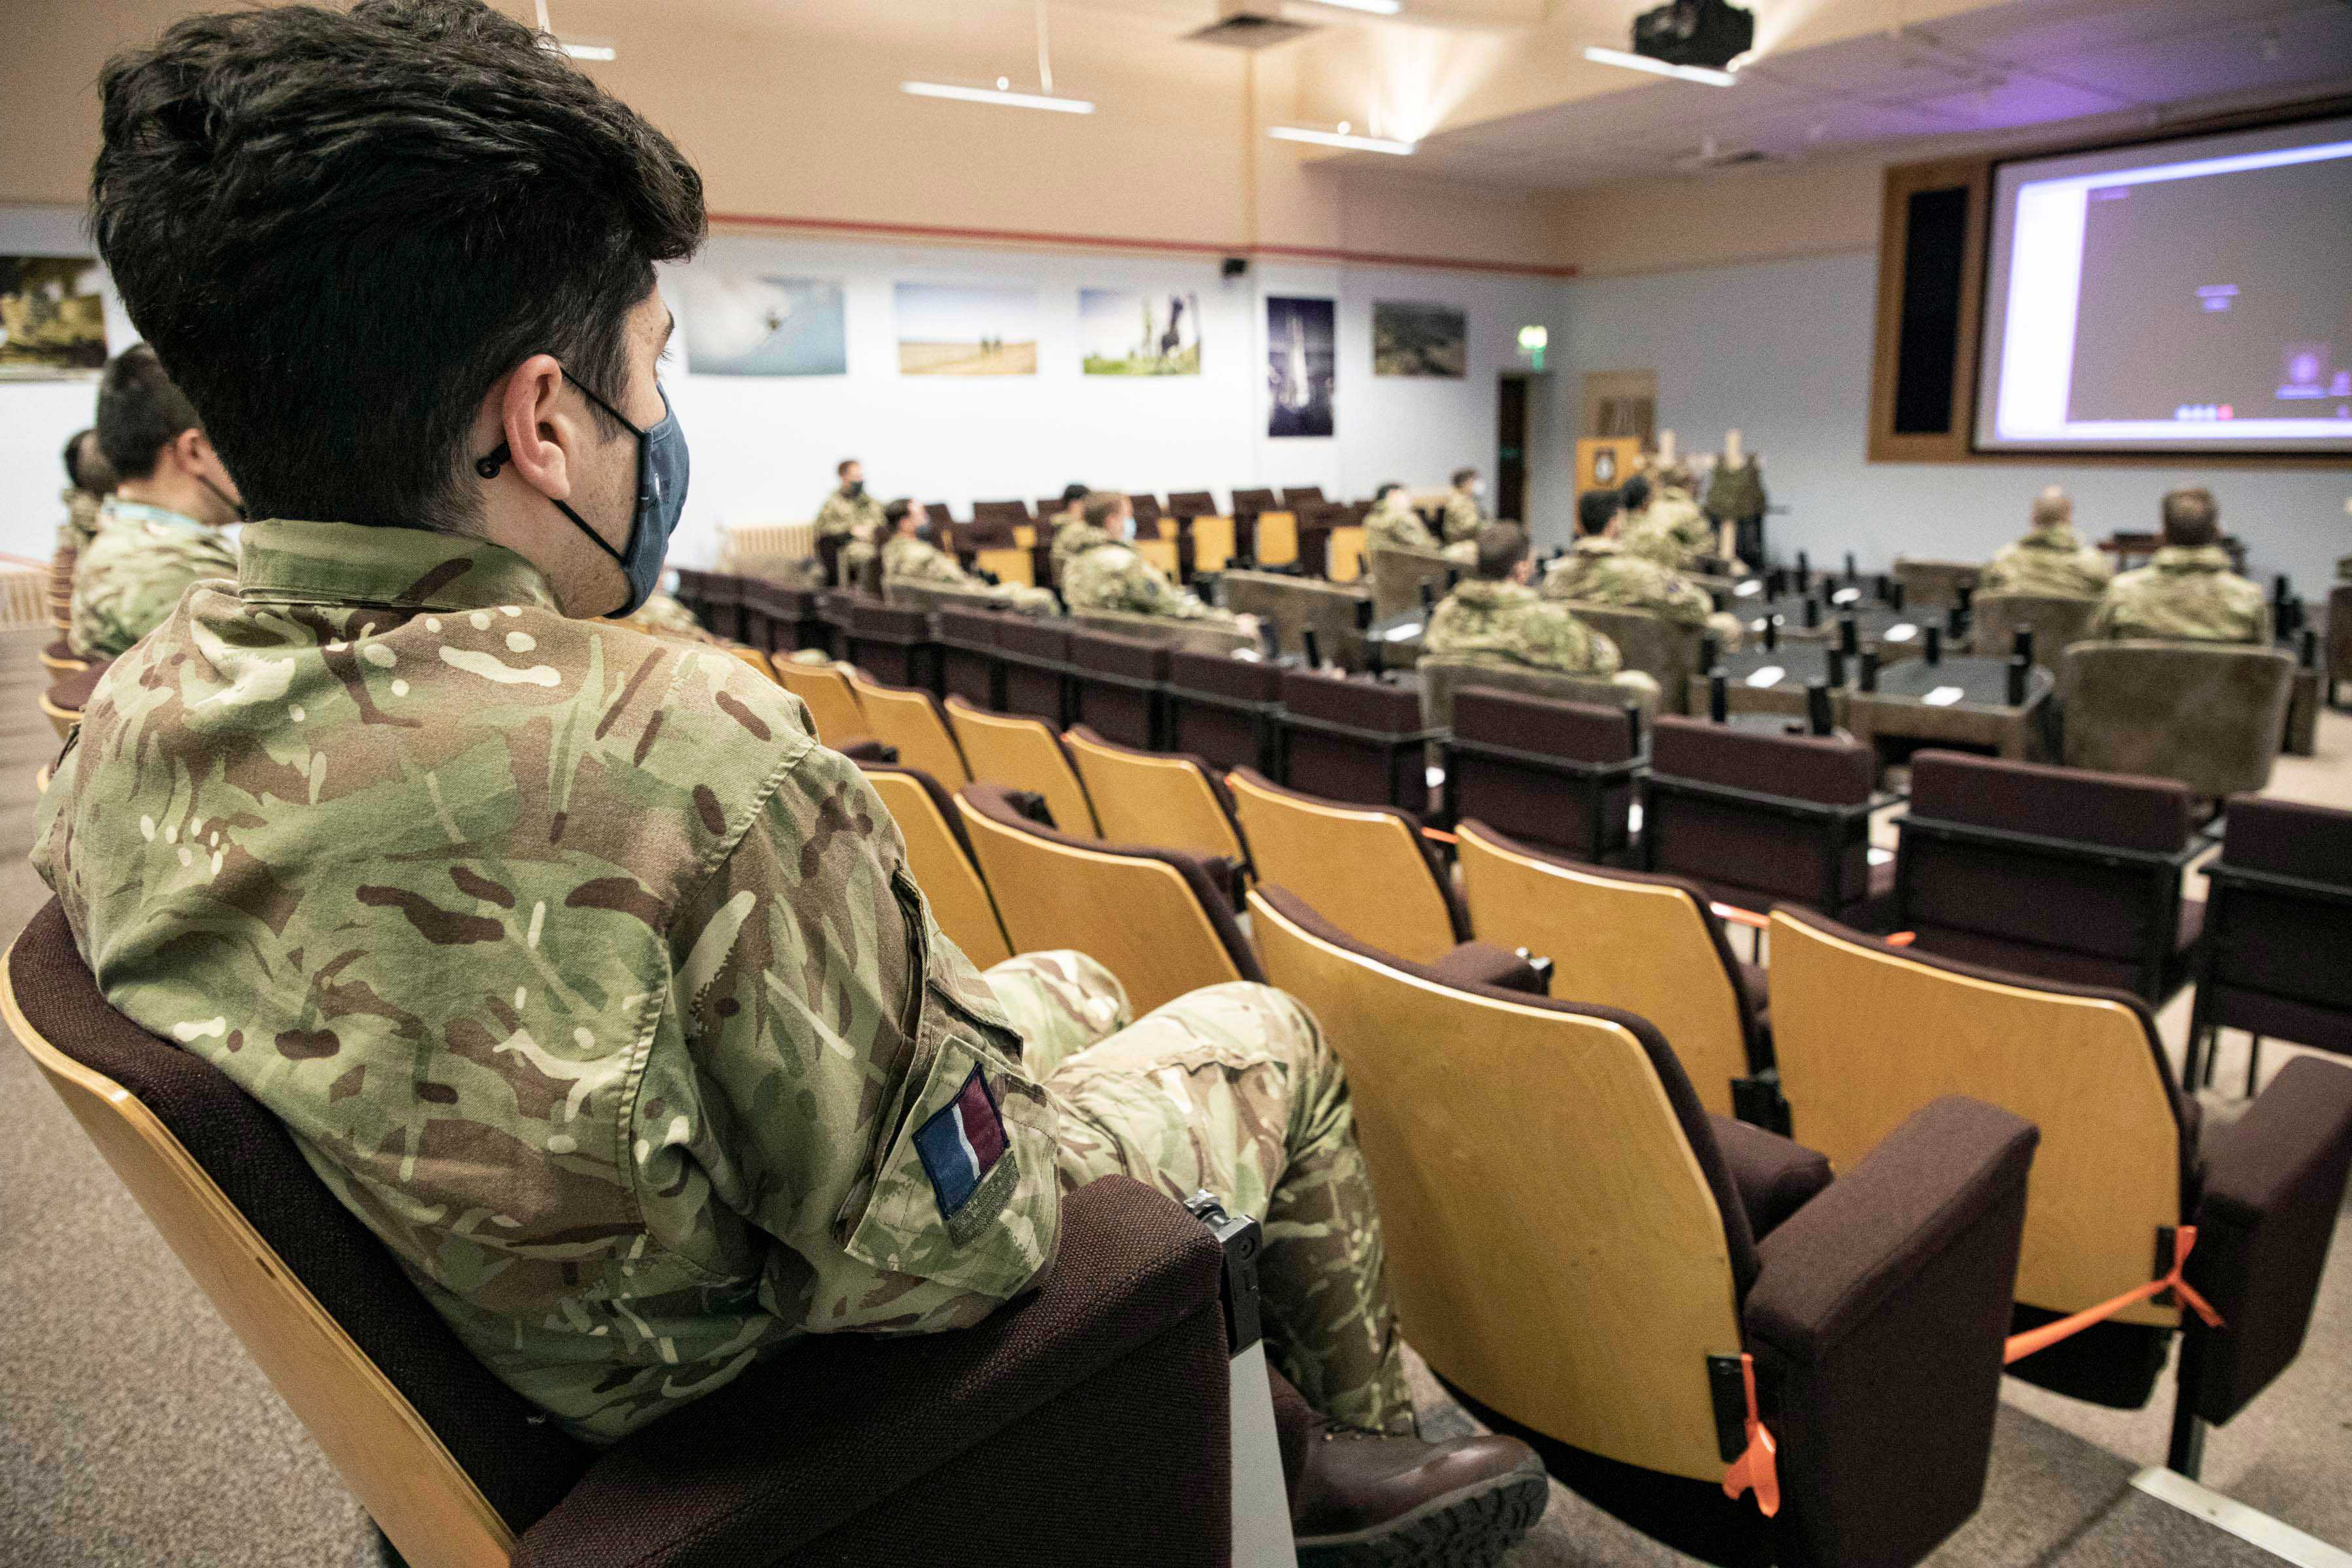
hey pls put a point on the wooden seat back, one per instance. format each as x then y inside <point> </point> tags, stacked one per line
<point>1646,945</point>
<point>1153,797</point>
<point>1867,1033</point>
<point>1555,1245</point>
<point>1362,867</point>
<point>909,719</point>
<point>1023,753</point>
<point>941,863</point>
<point>1134,912</point>
<point>1343,561</point>
<point>1277,538</point>
<point>832,701</point>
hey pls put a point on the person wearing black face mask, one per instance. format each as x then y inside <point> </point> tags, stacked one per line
<point>911,554</point>
<point>853,517</point>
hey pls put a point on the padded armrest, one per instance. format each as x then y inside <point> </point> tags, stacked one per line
<point>858,749</point>
<point>888,1442</point>
<point>2272,1184</point>
<point>1483,964</point>
<point>1775,1176</point>
<point>1877,1323</point>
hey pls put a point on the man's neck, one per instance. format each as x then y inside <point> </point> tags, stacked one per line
<point>178,493</point>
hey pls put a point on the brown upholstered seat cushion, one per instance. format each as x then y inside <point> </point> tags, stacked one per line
<point>1358,704</point>
<point>2113,810</point>
<point>1751,856</point>
<point>2269,969</point>
<point>71,689</point>
<point>1483,964</point>
<point>1221,675</point>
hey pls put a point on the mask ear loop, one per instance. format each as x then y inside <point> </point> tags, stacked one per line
<point>488,463</point>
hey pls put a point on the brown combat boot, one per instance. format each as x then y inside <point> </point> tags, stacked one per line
<point>1365,1500</point>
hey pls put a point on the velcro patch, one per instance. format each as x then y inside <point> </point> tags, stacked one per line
<point>961,1144</point>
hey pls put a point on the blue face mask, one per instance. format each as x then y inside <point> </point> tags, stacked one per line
<point>662,471</point>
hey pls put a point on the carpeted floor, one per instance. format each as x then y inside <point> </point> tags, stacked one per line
<point>133,1431</point>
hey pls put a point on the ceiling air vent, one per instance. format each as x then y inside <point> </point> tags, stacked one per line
<point>1249,25</point>
<point>1708,156</point>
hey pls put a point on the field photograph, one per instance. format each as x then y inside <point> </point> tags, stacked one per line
<point>950,329</point>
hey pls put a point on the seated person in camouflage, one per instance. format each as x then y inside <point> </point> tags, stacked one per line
<point>595,987</point>
<point>661,616</point>
<point>2048,560</point>
<point>2187,592</point>
<point>852,516</point>
<point>1098,569</point>
<point>159,530</point>
<point>1598,570</point>
<point>1493,614</point>
<point>1663,522</point>
<point>1074,497</point>
<point>88,481</point>
<point>1463,514</point>
<point>908,552</point>
<point>1392,524</point>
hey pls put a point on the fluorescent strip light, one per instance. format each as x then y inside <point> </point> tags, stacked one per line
<point>997,95</point>
<point>1377,7</point>
<point>1658,67</point>
<point>1334,139</point>
<point>589,51</point>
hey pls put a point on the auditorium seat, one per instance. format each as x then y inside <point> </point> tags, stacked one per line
<point>1035,668</point>
<point>1165,798</point>
<point>1668,652</point>
<point>1335,614</point>
<point>2278,920</point>
<point>1023,753</point>
<point>1400,576</point>
<point>1276,538</point>
<point>938,857</point>
<point>1188,505</point>
<point>59,658</point>
<point>1215,540</point>
<point>1558,774</point>
<point>1866,1033</point>
<point>1125,1340</point>
<point>2211,715</point>
<point>722,604</point>
<point>1160,919</point>
<point>1224,709</point>
<point>895,644</point>
<point>1647,945</point>
<point>971,665</point>
<point>2338,665</point>
<point>1571,1252</point>
<point>1343,560</point>
<point>2055,872</point>
<point>1116,686</point>
<point>2056,620</point>
<point>832,701</point>
<point>1354,740</point>
<point>1935,584</point>
<point>1760,819</point>
<point>910,722</point>
<point>778,619</point>
<point>1200,633</point>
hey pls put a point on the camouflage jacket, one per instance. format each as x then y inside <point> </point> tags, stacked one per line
<point>580,973</point>
<point>1598,571</point>
<point>1736,494</point>
<point>924,561</point>
<point>134,572</point>
<point>1671,530</point>
<point>2048,561</point>
<point>2187,595</point>
<point>1462,518</point>
<point>1110,576</point>
<point>661,616</point>
<point>81,524</point>
<point>860,516</point>
<point>1509,621</point>
<point>1073,538</point>
<point>1398,527</point>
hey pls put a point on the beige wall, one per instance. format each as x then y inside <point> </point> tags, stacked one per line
<point>1735,215</point>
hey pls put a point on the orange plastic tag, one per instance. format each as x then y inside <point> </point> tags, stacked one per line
<point>2184,1241</point>
<point>1756,1466</point>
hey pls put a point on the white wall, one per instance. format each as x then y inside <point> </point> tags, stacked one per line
<point>1783,351</point>
<point>765,447</point>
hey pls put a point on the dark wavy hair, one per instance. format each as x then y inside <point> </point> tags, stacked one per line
<point>340,229</point>
<point>140,411</point>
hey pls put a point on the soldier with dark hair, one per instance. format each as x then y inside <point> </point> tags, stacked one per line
<point>1600,570</point>
<point>909,553</point>
<point>852,515</point>
<point>1097,565</point>
<point>159,529</point>
<point>1463,514</point>
<point>577,969</point>
<point>1493,614</point>
<point>89,479</point>
<point>2187,591</point>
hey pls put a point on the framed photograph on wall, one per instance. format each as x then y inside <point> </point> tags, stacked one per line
<point>745,321</point>
<point>1121,332</point>
<point>1300,368</point>
<point>52,317</point>
<point>946,329</point>
<point>1419,339</point>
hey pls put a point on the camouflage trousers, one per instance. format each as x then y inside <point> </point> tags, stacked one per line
<point>1232,1088</point>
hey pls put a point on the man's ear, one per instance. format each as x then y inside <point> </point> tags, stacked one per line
<point>189,448</point>
<point>542,433</point>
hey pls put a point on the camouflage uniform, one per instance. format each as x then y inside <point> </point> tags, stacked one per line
<point>1671,530</point>
<point>860,518</point>
<point>920,561</point>
<point>662,617</point>
<point>1109,575</point>
<point>1511,623</point>
<point>74,534</point>
<point>1599,571</point>
<point>134,572</point>
<point>1462,518</point>
<point>1394,525</point>
<point>602,994</point>
<point>2185,593</point>
<point>2048,561</point>
<point>1073,538</point>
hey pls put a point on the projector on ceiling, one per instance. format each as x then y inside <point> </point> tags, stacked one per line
<point>1710,34</point>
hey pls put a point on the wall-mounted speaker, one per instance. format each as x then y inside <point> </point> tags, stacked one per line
<point>1930,286</point>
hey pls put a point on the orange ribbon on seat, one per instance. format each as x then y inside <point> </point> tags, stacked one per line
<point>1756,1465</point>
<point>2184,1241</point>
